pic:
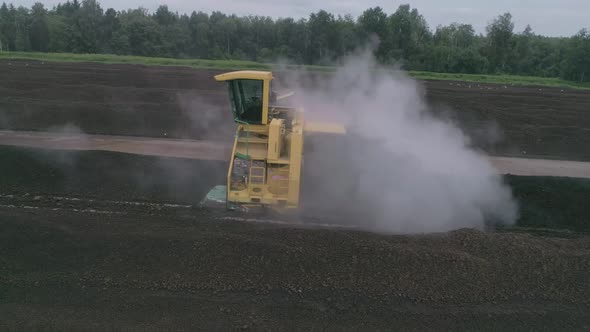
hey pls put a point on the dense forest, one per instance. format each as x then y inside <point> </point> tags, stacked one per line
<point>404,37</point>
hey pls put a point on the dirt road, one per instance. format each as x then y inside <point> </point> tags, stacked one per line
<point>209,150</point>
<point>179,148</point>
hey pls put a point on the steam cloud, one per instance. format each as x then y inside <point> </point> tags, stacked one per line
<point>401,169</point>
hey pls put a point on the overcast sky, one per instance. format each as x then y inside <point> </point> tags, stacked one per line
<point>547,17</point>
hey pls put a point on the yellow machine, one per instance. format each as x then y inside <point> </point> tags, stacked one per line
<point>267,154</point>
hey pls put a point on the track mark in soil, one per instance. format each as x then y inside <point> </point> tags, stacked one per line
<point>91,211</point>
<point>295,222</point>
<point>92,200</point>
<point>86,205</point>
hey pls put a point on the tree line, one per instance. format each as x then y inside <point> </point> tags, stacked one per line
<point>404,37</point>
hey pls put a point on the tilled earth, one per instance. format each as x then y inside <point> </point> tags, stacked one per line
<point>177,270</point>
<point>85,245</point>
<point>101,241</point>
<point>188,103</point>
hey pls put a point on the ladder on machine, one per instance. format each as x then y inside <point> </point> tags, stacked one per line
<point>257,174</point>
<point>283,180</point>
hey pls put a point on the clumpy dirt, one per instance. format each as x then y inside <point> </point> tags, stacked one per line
<point>516,120</point>
<point>544,202</point>
<point>188,103</point>
<point>113,99</point>
<point>69,270</point>
<point>95,241</point>
<point>86,245</point>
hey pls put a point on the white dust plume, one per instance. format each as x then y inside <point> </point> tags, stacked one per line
<point>400,169</point>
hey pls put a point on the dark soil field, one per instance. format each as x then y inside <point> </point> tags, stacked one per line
<point>113,100</point>
<point>99,240</point>
<point>187,103</point>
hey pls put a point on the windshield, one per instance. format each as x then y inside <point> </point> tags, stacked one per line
<point>246,100</point>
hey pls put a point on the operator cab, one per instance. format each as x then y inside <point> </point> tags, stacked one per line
<point>246,100</point>
<point>249,93</point>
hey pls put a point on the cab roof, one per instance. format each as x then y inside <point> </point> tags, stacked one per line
<point>244,74</point>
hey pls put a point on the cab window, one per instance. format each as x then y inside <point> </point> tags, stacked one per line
<point>246,100</point>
